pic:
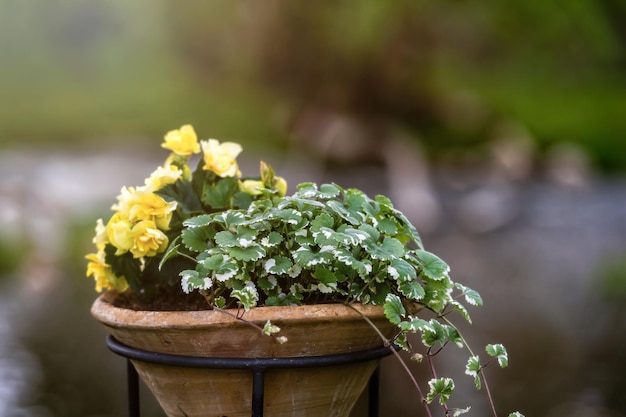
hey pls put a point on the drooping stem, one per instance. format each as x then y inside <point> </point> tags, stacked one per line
<point>482,372</point>
<point>388,343</point>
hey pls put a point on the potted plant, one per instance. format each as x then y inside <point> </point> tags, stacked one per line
<point>211,263</point>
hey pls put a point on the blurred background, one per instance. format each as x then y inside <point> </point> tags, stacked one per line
<point>498,127</point>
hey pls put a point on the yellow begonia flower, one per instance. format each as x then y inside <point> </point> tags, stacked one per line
<point>281,185</point>
<point>102,274</point>
<point>101,238</point>
<point>163,176</point>
<point>251,187</point>
<point>147,239</point>
<point>183,141</point>
<point>119,232</point>
<point>138,204</point>
<point>221,158</point>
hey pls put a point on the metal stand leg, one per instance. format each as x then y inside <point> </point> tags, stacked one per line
<point>133,389</point>
<point>373,401</point>
<point>258,389</point>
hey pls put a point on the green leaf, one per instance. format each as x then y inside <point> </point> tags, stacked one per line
<point>329,191</point>
<point>442,387</point>
<point>471,296</point>
<point>246,294</point>
<point>516,414</point>
<point>182,192</point>
<point>433,266</point>
<point>322,220</point>
<point>124,266</point>
<point>393,308</point>
<point>344,213</point>
<point>272,239</point>
<point>196,238</point>
<point>389,249</point>
<point>414,324</point>
<point>220,195</point>
<point>199,221</point>
<point>171,251</point>
<point>307,258</point>
<point>278,265</point>
<point>387,227</point>
<point>412,290</point>
<point>253,252</point>
<point>223,268</point>
<point>325,276</point>
<point>442,333</point>
<point>270,329</point>
<point>267,283</point>
<point>402,270</point>
<point>473,368</point>
<point>497,350</point>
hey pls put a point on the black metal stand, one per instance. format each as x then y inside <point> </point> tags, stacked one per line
<point>258,367</point>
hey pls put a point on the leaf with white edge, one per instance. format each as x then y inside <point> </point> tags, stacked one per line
<point>516,414</point>
<point>270,329</point>
<point>389,249</point>
<point>471,296</point>
<point>289,216</point>
<point>497,350</point>
<point>307,258</point>
<point>473,368</point>
<point>322,220</point>
<point>247,295</point>
<point>278,265</point>
<point>253,252</point>
<point>267,283</point>
<point>462,310</point>
<point>412,290</point>
<point>442,387</point>
<point>433,266</point>
<point>199,221</point>
<point>393,308</point>
<point>325,276</point>
<point>342,212</point>
<point>415,324</point>
<point>224,268</point>
<point>460,411</point>
<point>405,271</point>
<point>220,302</point>
<point>329,191</point>
<point>387,227</point>
<point>190,280</point>
<point>272,239</point>
<point>226,239</point>
<point>195,238</point>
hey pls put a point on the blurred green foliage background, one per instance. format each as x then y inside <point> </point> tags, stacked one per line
<point>75,71</point>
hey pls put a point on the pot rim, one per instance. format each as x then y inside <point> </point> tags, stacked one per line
<point>105,312</point>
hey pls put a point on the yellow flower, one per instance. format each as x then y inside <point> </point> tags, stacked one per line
<point>147,239</point>
<point>183,141</point>
<point>281,185</point>
<point>119,232</point>
<point>251,186</point>
<point>101,238</point>
<point>102,273</point>
<point>163,176</point>
<point>137,204</point>
<point>221,158</point>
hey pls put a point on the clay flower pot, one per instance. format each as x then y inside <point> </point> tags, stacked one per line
<point>312,330</point>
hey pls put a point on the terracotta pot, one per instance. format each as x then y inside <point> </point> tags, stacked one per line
<point>304,392</point>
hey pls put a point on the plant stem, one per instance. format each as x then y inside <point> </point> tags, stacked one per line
<point>397,355</point>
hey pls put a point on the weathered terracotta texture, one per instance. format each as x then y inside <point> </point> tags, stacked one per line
<point>311,330</point>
